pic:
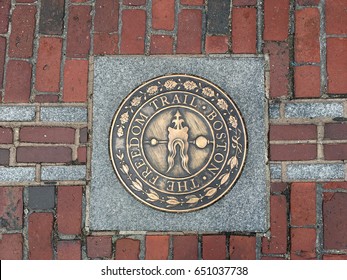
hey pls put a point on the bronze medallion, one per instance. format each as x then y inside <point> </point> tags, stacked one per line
<point>178,143</point>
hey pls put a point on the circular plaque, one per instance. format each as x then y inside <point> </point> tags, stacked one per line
<point>178,143</point>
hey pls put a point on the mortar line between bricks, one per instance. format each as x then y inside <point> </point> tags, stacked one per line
<point>323,49</point>
<point>175,30</point>
<point>120,25</point>
<point>260,25</point>
<point>148,27</point>
<point>37,173</point>
<point>319,220</point>
<point>321,141</point>
<point>258,246</point>
<point>229,28</point>
<point>91,31</point>
<point>291,45</point>
<point>200,247</point>
<point>170,251</point>
<point>25,223</point>
<point>203,28</point>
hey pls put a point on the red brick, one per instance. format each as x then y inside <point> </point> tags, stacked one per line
<point>276,20</point>
<point>11,246</point>
<point>307,81</point>
<point>277,244</point>
<point>336,65</point>
<point>44,154</point>
<point>133,32</point>
<point>293,132</point>
<point>216,44</point>
<point>48,65</point>
<point>40,227</point>
<point>244,2</point>
<point>2,59</point>
<point>105,44</point>
<point>335,131</point>
<point>270,258</point>
<point>244,30</point>
<point>78,32</point>
<point>84,135</point>
<point>4,156</point>
<point>6,135</point>
<point>336,16</point>
<point>157,247</point>
<point>75,81</point>
<point>106,16</point>
<point>279,68</point>
<point>22,33</point>
<point>307,27</point>
<point>99,246</point>
<point>18,81</point>
<point>25,1</point>
<point>334,220</point>
<point>161,44</point>
<point>69,210</point>
<point>335,151</point>
<point>189,32</point>
<point>303,204</point>
<point>278,187</point>
<point>242,247</point>
<point>308,2</point>
<point>303,241</point>
<point>43,134</point>
<point>11,208</point>
<point>193,2</point>
<point>335,185</point>
<point>5,6</point>
<point>82,154</point>
<point>185,247</point>
<point>334,257</point>
<point>46,98</point>
<point>134,2</point>
<point>69,250</point>
<point>214,247</point>
<point>127,249</point>
<point>293,151</point>
<point>163,14</point>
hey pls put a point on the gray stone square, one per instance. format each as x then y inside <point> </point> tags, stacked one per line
<point>41,197</point>
<point>245,208</point>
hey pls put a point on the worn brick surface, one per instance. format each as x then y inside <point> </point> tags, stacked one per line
<point>41,197</point>
<point>307,81</point>
<point>293,132</point>
<point>105,44</point>
<point>51,17</point>
<point>5,6</point>
<point>11,208</point>
<point>214,247</point>
<point>244,30</point>
<point>82,154</point>
<point>44,154</point>
<point>185,247</point>
<point>134,2</point>
<point>106,16</point>
<point>22,34</point>
<point>99,246</point>
<point>303,204</point>
<point>18,81</point>
<point>6,135</point>
<point>278,187</point>
<point>46,98</point>
<point>83,135</point>
<point>308,2</point>
<point>303,244</point>
<point>189,32</point>
<point>193,2</point>
<point>334,257</point>
<point>11,246</point>
<point>4,156</point>
<point>43,134</point>
<point>335,185</point>
<point>69,210</point>
<point>48,65</point>
<point>40,227</point>
<point>242,247</point>
<point>161,44</point>
<point>157,247</point>
<point>127,249</point>
<point>335,131</point>
<point>2,59</point>
<point>336,16</point>
<point>244,2</point>
<point>293,152</point>
<point>335,151</point>
<point>218,14</point>
<point>276,20</point>
<point>163,14</point>
<point>75,80</point>
<point>69,250</point>
<point>216,44</point>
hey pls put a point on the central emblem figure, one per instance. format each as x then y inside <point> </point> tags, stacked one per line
<point>178,139</point>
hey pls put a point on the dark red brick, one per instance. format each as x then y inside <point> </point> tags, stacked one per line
<point>335,131</point>
<point>133,32</point>
<point>11,208</point>
<point>276,20</point>
<point>48,65</point>
<point>69,209</point>
<point>78,32</point>
<point>293,151</point>
<point>105,44</point>
<point>336,16</point>
<point>69,250</point>
<point>303,241</point>
<point>161,44</point>
<point>335,185</point>
<point>75,81</point>
<point>52,17</point>
<point>2,59</point>
<point>99,246</point>
<point>106,16</point>
<point>44,134</point>
<point>336,63</point>
<point>193,2</point>
<point>189,32</point>
<point>216,44</point>
<point>244,2</point>
<point>271,258</point>
<point>18,81</point>
<point>335,151</point>
<point>6,135</point>
<point>4,156</point>
<point>277,244</point>
<point>307,81</point>
<point>157,247</point>
<point>46,98</point>
<point>11,246</point>
<point>308,2</point>
<point>279,68</point>
<point>185,247</point>
<point>82,154</point>
<point>40,227</point>
<point>84,135</point>
<point>214,247</point>
<point>163,14</point>
<point>307,27</point>
<point>25,1</point>
<point>303,204</point>
<point>134,2</point>
<point>293,132</point>
<point>334,257</point>
<point>242,247</point>
<point>5,6</point>
<point>22,33</point>
<point>44,154</point>
<point>127,249</point>
<point>244,30</point>
<point>278,187</point>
